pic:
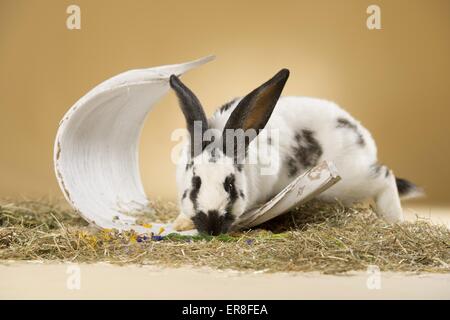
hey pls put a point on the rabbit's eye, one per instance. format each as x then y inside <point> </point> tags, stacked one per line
<point>228,184</point>
<point>230,188</point>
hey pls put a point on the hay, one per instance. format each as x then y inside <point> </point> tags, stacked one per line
<point>328,238</point>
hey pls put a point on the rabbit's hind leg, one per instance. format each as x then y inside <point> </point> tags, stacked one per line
<point>386,195</point>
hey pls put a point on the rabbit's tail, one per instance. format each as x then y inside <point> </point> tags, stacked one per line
<point>407,189</point>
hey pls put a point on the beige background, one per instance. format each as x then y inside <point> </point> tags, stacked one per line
<point>395,80</point>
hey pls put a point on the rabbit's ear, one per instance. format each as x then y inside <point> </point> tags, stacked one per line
<point>255,109</point>
<point>196,121</point>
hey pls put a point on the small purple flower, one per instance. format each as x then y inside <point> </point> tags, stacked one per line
<point>157,238</point>
<point>141,238</point>
<point>249,241</point>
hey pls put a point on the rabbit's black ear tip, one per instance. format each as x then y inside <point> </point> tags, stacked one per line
<point>281,76</point>
<point>173,80</point>
<point>284,73</point>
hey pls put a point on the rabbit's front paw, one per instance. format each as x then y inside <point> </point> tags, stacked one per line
<point>183,223</point>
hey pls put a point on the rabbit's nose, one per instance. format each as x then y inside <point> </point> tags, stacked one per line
<point>211,223</point>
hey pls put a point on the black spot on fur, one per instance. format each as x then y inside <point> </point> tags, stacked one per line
<point>189,165</point>
<point>344,123</point>
<point>238,166</point>
<point>241,194</point>
<point>269,140</point>
<point>313,150</point>
<point>200,221</point>
<point>184,195</point>
<point>292,167</point>
<point>213,223</point>
<point>376,168</point>
<point>214,155</point>
<point>226,106</point>
<point>387,173</point>
<point>196,184</point>
<point>305,153</point>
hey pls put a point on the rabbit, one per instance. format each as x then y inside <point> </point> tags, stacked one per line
<point>216,184</point>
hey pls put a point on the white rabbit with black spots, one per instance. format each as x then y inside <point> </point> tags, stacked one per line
<point>217,182</point>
